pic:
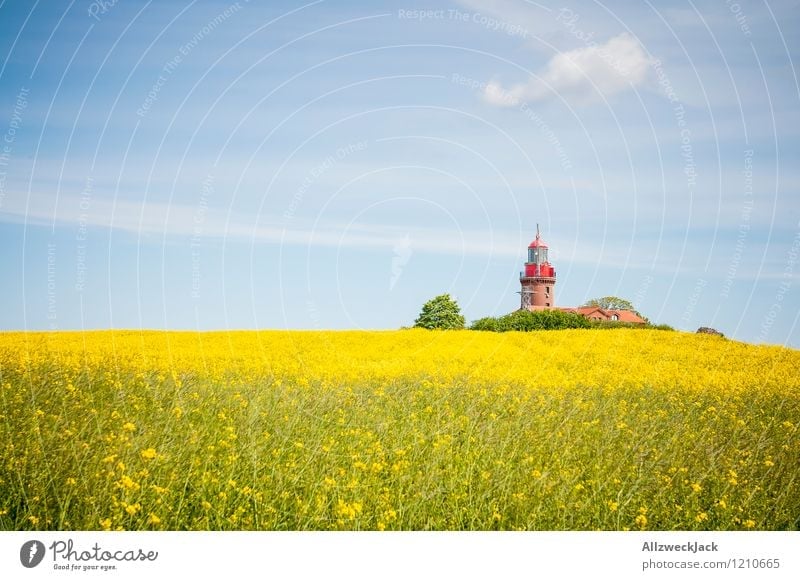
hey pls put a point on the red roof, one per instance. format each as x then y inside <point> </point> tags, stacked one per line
<point>595,313</point>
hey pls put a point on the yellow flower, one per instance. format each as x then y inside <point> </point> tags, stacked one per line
<point>127,483</point>
<point>749,524</point>
<point>105,524</point>
<point>641,521</point>
<point>733,477</point>
<point>154,519</point>
<point>348,510</point>
<point>148,453</point>
<point>696,487</point>
<point>612,505</point>
<point>129,427</point>
<point>133,509</point>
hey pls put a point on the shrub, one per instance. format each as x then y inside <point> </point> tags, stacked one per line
<point>488,323</point>
<point>525,320</point>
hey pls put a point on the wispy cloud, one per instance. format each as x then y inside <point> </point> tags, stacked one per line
<point>175,220</point>
<point>153,221</point>
<point>581,76</point>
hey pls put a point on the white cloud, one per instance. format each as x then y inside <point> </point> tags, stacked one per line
<point>581,76</point>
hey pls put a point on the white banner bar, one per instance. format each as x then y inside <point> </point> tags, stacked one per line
<point>418,555</point>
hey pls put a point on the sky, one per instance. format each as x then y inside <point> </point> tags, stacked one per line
<point>207,165</point>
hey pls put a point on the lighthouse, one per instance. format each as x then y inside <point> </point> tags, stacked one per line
<point>538,280</point>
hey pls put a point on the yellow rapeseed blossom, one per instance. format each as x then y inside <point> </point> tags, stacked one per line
<point>406,430</point>
<point>125,482</point>
<point>348,510</point>
<point>149,453</point>
<point>133,509</point>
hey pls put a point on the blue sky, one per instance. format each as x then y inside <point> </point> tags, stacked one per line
<point>211,165</point>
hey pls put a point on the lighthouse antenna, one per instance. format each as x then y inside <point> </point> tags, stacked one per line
<point>537,231</point>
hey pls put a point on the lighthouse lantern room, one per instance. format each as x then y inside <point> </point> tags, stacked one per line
<point>538,280</point>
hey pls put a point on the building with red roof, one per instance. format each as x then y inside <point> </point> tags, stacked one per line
<point>606,315</point>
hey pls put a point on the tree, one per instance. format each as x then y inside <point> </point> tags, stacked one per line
<point>440,312</point>
<point>610,303</point>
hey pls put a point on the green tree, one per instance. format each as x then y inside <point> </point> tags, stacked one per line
<point>440,312</point>
<point>610,303</point>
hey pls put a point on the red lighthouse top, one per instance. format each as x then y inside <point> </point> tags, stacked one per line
<point>537,264</point>
<point>538,242</point>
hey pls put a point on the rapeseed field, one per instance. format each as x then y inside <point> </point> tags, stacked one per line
<point>397,430</point>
